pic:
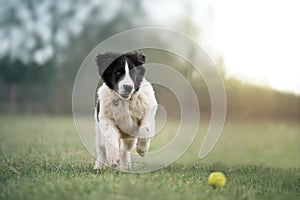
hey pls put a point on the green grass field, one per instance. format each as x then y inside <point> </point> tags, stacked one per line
<point>42,158</point>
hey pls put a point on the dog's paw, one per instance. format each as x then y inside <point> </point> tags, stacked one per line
<point>126,165</point>
<point>98,165</point>
<point>113,163</point>
<point>112,155</point>
<point>143,145</point>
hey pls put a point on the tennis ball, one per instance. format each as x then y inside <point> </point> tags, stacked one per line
<point>216,179</point>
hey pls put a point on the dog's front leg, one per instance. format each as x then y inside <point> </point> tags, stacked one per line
<point>100,148</point>
<point>111,136</point>
<point>146,131</point>
<point>142,146</point>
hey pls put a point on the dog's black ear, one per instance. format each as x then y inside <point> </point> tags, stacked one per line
<point>103,60</point>
<point>136,57</point>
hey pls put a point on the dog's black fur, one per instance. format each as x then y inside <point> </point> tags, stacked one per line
<point>111,67</point>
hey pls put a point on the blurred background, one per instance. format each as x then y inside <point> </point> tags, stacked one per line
<point>253,43</point>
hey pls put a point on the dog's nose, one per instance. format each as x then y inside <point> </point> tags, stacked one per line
<point>127,88</point>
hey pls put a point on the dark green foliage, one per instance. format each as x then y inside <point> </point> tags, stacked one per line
<point>16,72</point>
<point>256,102</point>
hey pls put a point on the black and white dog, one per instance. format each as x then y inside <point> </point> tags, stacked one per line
<point>125,109</point>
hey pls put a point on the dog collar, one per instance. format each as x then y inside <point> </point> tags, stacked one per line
<point>115,102</point>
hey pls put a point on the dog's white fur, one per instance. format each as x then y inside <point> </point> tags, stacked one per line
<point>122,124</point>
<point>126,80</point>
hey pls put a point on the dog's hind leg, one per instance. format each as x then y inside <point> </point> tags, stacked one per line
<point>126,144</point>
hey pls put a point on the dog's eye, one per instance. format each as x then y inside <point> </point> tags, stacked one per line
<point>118,73</point>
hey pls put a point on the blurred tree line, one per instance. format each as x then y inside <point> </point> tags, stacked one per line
<point>244,100</point>
<point>43,42</point>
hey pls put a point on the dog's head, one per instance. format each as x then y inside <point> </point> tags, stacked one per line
<point>122,73</point>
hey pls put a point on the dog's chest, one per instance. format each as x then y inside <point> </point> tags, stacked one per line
<point>128,114</point>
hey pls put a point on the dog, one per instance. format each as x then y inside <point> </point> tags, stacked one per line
<point>125,109</point>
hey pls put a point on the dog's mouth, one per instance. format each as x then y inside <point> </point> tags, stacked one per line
<point>124,96</point>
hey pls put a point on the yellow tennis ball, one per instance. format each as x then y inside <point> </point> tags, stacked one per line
<point>217,179</point>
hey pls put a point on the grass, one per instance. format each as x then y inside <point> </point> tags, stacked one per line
<point>42,158</point>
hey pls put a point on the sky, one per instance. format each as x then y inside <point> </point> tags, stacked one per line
<point>258,39</point>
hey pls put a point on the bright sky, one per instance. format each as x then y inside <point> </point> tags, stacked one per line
<point>259,39</point>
